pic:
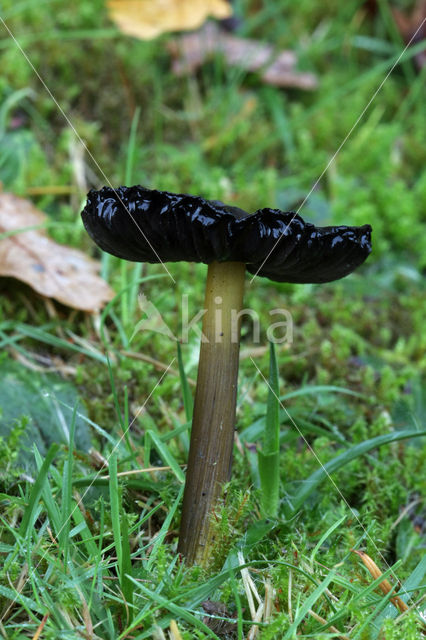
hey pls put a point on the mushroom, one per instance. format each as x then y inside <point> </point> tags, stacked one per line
<point>139,224</point>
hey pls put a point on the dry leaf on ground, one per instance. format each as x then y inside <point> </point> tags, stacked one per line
<point>147,19</point>
<point>54,270</point>
<point>277,68</point>
<point>215,611</point>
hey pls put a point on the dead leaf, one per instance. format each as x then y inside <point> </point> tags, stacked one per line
<point>276,68</point>
<point>216,610</point>
<point>54,270</point>
<point>412,26</point>
<point>147,19</point>
<point>385,585</point>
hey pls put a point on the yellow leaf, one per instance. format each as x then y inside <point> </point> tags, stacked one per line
<point>174,631</point>
<point>147,19</point>
<point>52,269</point>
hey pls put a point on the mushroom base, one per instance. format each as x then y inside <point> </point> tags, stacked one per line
<point>212,436</point>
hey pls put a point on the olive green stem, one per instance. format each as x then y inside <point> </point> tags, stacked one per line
<point>213,423</point>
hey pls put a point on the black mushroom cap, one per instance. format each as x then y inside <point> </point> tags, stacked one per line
<point>145,225</point>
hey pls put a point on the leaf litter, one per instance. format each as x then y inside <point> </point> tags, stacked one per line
<point>53,270</point>
<point>147,19</point>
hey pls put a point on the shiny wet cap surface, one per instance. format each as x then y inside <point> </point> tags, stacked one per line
<point>144,225</point>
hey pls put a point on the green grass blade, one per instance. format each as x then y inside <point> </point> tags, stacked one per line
<point>107,309</point>
<point>135,277</point>
<point>188,401</point>
<point>369,624</point>
<point>269,457</point>
<point>159,539</point>
<point>120,328</point>
<point>41,334</point>
<point>127,423</point>
<point>126,568</point>
<point>364,593</point>
<point>37,489</point>
<point>85,534</point>
<point>271,438</point>
<point>131,148</point>
<point>120,534</point>
<point>166,455</point>
<point>115,396</point>
<point>269,465</point>
<point>396,36</point>
<point>280,119</point>
<point>52,508</point>
<point>413,582</point>
<point>238,605</point>
<point>28,603</point>
<point>67,492</point>
<point>325,536</point>
<point>115,507</point>
<point>125,297</point>
<point>129,299</point>
<point>180,612</point>
<point>320,388</point>
<point>343,459</point>
<point>178,431</point>
<point>10,103</point>
<point>308,604</point>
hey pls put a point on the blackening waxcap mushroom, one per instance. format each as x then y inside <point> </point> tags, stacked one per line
<point>171,227</point>
<point>152,226</point>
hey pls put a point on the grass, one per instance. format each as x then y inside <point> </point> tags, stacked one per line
<point>90,553</point>
<point>269,455</point>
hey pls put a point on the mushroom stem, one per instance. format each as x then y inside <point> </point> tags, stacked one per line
<point>212,436</point>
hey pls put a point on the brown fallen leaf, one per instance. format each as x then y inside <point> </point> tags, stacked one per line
<point>148,19</point>
<point>52,269</point>
<point>412,26</point>
<point>191,50</point>
<point>223,628</point>
<point>385,585</point>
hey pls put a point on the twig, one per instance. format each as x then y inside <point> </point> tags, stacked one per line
<point>323,621</point>
<point>137,471</point>
<point>156,363</point>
